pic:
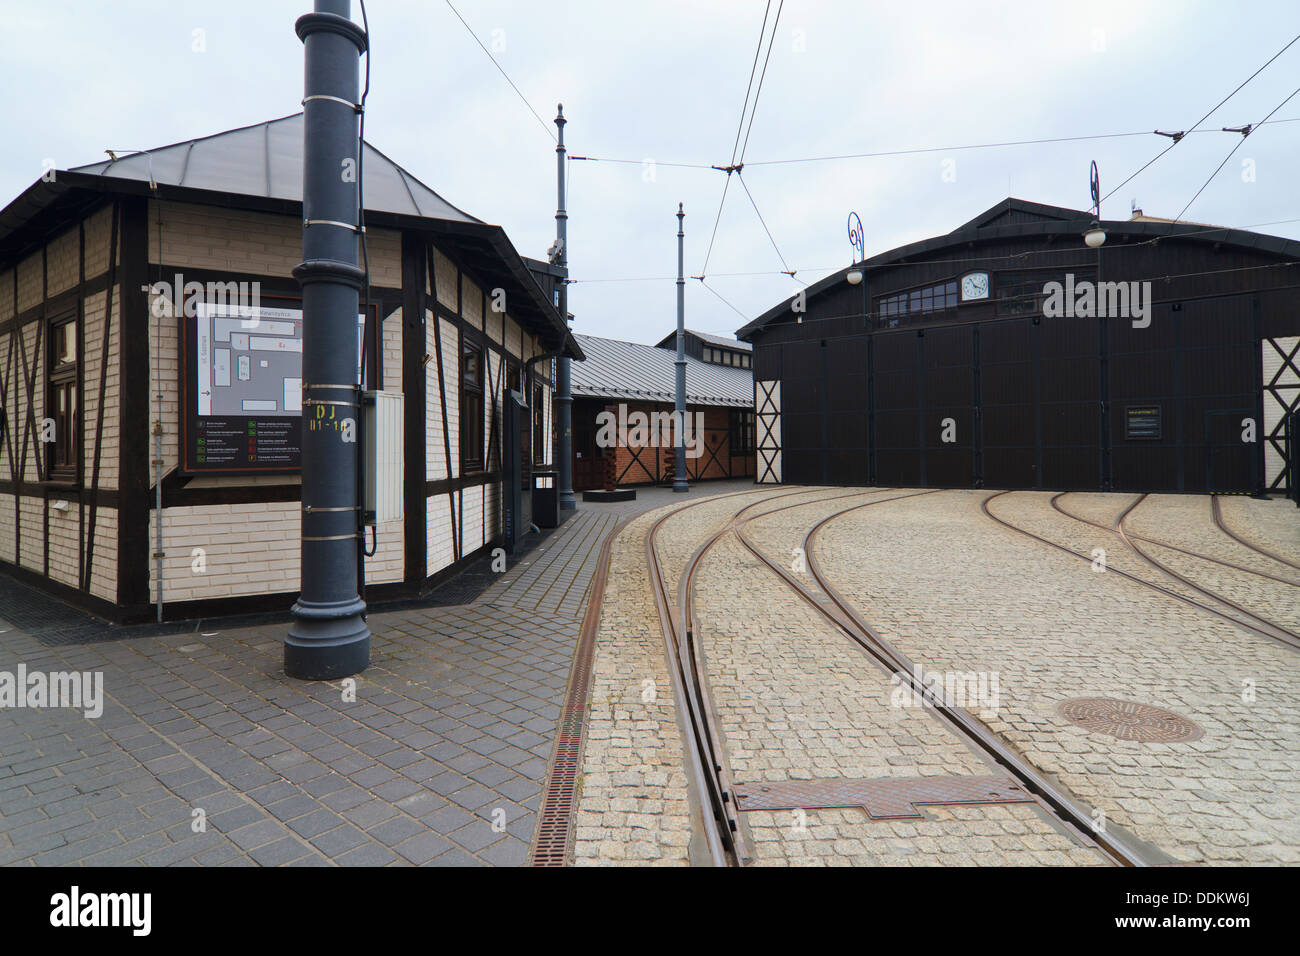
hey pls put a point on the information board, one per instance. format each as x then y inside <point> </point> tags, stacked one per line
<point>1142,422</point>
<point>243,400</point>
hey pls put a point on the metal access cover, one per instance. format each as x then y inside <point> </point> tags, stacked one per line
<point>884,798</point>
<point>1127,720</point>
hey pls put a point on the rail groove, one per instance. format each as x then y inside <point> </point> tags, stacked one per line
<point>844,616</point>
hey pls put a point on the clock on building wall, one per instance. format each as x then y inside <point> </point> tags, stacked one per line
<point>975,285</point>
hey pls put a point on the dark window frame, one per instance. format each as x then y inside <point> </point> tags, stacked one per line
<point>742,428</point>
<point>471,398</point>
<point>539,424</point>
<point>62,380</point>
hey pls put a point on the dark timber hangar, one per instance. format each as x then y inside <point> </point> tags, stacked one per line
<point>1173,365</point>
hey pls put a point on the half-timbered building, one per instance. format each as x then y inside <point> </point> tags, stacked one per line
<point>148,456</point>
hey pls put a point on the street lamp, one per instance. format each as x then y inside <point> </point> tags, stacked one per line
<point>858,276</point>
<point>1095,235</point>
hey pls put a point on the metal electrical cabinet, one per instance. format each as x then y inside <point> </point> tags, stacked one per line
<point>382,434</point>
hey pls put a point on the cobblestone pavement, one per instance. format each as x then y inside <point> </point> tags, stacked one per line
<point>956,591</point>
<point>797,700</point>
<point>1273,523</point>
<point>634,804</point>
<point>1185,522</point>
<point>439,760</point>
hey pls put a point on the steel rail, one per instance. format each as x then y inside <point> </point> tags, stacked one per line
<point>846,618</point>
<point>1055,502</point>
<point>1262,624</point>
<point>1223,526</point>
<point>706,763</point>
<point>1293,641</point>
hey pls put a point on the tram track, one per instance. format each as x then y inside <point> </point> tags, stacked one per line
<point>1255,623</point>
<point>724,834</point>
<point>840,612</point>
<point>1219,522</point>
<point>1056,504</point>
<point>706,755</point>
<point>1252,622</point>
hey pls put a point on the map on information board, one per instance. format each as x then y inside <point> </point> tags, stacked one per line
<point>244,405</point>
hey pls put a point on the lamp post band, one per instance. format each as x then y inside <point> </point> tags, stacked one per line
<point>351,388</point>
<point>333,222</point>
<point>332,537</point>
<point>310,509</point>
<point>335,99</point>
<point>325,401</point>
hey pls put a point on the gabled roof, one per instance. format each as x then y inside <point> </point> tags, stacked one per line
<point>260,168</point>
<point>646,373</point>
<point>670,340</point>
<point>1018,218</point>
<point>266,160</point>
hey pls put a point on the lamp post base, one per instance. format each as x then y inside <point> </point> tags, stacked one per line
<point>681,486</point>
<point>327,642</point>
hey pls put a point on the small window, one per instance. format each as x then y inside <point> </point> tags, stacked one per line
<point>540,444</point>
<point>63,400</point>
<point>742,433</point>
<point>471,407</point>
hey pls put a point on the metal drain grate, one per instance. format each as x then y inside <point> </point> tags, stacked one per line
<point>884,798</point>
<point>554,819</point>
<point>1127,720</point>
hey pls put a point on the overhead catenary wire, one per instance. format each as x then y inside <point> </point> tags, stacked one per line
<point>1245,132</point>
<point>911,151</point>
<point>1176,138</point>
<point>731,167</point>
<point>759,92</point>
<point>787,270</point>
<point>1154,240</point>
<point>502,71</point>
<point>700,279</point>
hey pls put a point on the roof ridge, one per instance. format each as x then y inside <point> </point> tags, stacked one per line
<point>183,142</point>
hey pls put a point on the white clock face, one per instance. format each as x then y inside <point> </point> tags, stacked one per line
<point>975,286</point>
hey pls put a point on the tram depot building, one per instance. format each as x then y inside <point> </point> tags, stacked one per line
<point>1001,356</point>
<point>94,358</point>
<point>618,381</point>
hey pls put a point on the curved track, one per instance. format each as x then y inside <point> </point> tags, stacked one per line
<point>1056,503</point>
<point>1222,525</point>
<point>707,759</point>
<point>1252,621</point>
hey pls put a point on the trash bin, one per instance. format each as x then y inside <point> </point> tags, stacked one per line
<point>546,499</point>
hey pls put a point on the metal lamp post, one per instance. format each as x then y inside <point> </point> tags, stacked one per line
<point>679,469</point>
<point>329,637</point>
<point>563,386</point>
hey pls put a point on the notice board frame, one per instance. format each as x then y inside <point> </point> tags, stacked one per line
<point>187,407</point>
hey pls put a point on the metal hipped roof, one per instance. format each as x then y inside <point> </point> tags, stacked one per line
<point>260,168</point>
<point>266,160</point>
<point>645,373</point>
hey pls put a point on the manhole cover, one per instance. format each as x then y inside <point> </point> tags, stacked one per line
<point>1129,721</point>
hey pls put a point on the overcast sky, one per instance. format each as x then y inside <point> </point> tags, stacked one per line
<point>666,80</point>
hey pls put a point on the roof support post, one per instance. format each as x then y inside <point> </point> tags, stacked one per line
<point>329,637</point>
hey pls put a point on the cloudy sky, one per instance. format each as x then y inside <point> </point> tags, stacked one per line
<point>664,82</point>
